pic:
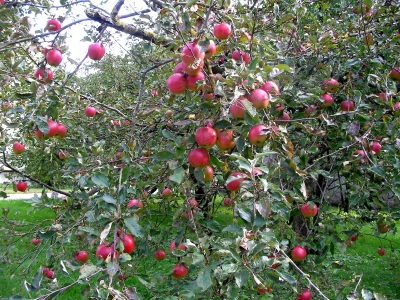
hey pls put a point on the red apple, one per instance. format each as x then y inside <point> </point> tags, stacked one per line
<point>63,155</point>
<point>54,57</point>
<point>258,135</point>
<point>179,271</point>
<point>383,96</point>
<point>206,136</point>
<point>119,155</point>
<point>222,31</point>
<point>363,155</point>
<point>307,211</point>
<point>331,85</point>
<point>192,81</point>
<point>225,140</point>
<point>227,202</point>
<point>208,173</point>
<point>178,68</point>
<point>299,253</point>
<point>241,56</point>
<point>45,271</point>
<point>122,277</point>
<point>259,98</point>
<point>103,251</point>
<point>90,111</point>
<point>193,203</point>
<point>53,25</point>
<point>382,227</point>
<point>328,100</point>
<point>53,128</point>
<point>285,117</point>
<point>38,134</point>
<point>181,246</point>
<point>61,131</point>
<point>177,83</point>
<point>353,237</point>
<point>305,295</point>
<point>192,69</point>
<point>271,88</point>
<point>44,74</point>
<point>396,109</point>
<point>234,184</point>
<point>35,241</point>
<point>199,157</point>
<point>347,105</point>
<point>160,255</point>
<point>166,192</point>
<point>376,147</point>
<point>381,251</point>
<point>262,290</point>
<point>237,108</point>
<point>18,147</point>
<point>136,203</point>
<point>50,274</point>
<point>82,256</point>
<point>128,241</point>
<point>395,74</point>
<point>21,186</point>
<point>96,51</point>
<point>211,49</point>
<point>192,52</point>
<point>310,109</point>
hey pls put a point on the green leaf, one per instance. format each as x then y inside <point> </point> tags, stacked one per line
<point>245,214</point>
<point>215,161</point>
<point>232,228</point>
<point>222,124</point>
<point>213,225</point>
<point>288,278</point>
<point>367,295</point>
<point>203,280</point>
<point>133,227</point>
<point>283,67</point>
<point>170,136</point>
<point>126,171</point>
<point>109,199</point>
<point>100,180</point>
<point>37,279</point>
<point>242,277</point>
<point>42,125</point>
<point>240,143</point>
<point>178,175</point>
<point>378,171</point>
<point>122,194</point>
<point>254,63</point>
<point>249,108</point>
<point>86,270</point>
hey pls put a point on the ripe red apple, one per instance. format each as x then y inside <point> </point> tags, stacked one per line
<point>61,131</point>
<point>396,109</point>
<point>192,69</point>
<point>191,52</point>
<point>328,100</point>
<point>177,83</point>
<point>381,251</point>
<point>299,253</point>
<point>347,105</point>
<point>225,140</point>
<point>234,184</point>
<point>179,271</point>
<point>2,2</point>
<point>96,51</point>
<point>122,277</point>
<point>383,96</point>
<point>305,295</point>
<point>382,227</point>
<point>222,31</point>
<point>63,155</point>
<point>136,203</point>
<point>35,241</point>
<point>310,109</point>
<point>262,290</point>
<point>192,80</point>
<point>129,243</point>
<point>307,211</point>
<point>90,111</point>
<point>211,49</point>
<point>45,271</point>
<point>50,274</point>
<point>237,108</point>
<point>199,157</point>
<point>206,136</point>
<point>103,251</point>
<point>208,173</point>
<point>376,147</point>
<point>227,202</point>
<point>395,74</point>
<point>166,192</point>
<point>18,147</point>
<point>331,85</point>
<point>353,237</point>
<point>21,186</point>
<point>82,256</point>
<point>39,135</point>
<point>54,57</point>
<point>44,74</point>
<point>241,56</point>
<point>180,246</point>
<point>285,117</point>
<point>271,88</point>
<point>258,135</point>
<point>209,96</point>
<point>53,128</point>
<point>193,203</point>
<point>53,25</point>
<point>259,98</point>
<point>160,255</point>
<point>178,68</point>
<point>363,155</point>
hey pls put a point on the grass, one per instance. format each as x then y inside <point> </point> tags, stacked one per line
<point>340,272</point>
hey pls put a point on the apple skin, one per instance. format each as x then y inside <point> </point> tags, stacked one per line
<point>262,290</point>
<point>21,186</point>
<point>227,202</point>
<point>310,109</point>
<point>90,111</point>
<point>53,25</point>
<point>307,212</point>
<point>353,237</point>
<point>61,131</point>
<point>347,105</point>
<point>18,148</point>
<point>180,271</point>
<point>395,74</point>
<point>225,140</point>
<point>222,31</point>
<point>190,70</point>
<point>376,147</point>
<point>166,192</point>
<point>234,185</point>
<point>129,243</point>
<point>44,74</point>
<point>96,51</point>
<point>192,52</point>
<point>259,98</point>
<point>381,251</point>
<point>396,109</point>
<point>54,57</point>
<point>136,203</point>
<point>82,256</point>
<point>299,254</point>
<point>305,295</point>
<point>192,80</point>
<point>103,251</point>
<point>50,274</point>
<point>237,108</point>
<point>211,49</point>
<point>178,68</point>
<point>160,255</point>
<point>257,135</point>
<point>382,227</point>
<point>35,241</point>
<point>53,128</point>
<point>285,117</point>
<point>63,155</point>
<point>199,158</point>
<point>241,56</point>
<point>328,100</point>
<point>181,246</point>
<point>271,88</point>
<point>208,173</point>
<point>177,83</point>
<point>206,137</point>
<point>331,85</point>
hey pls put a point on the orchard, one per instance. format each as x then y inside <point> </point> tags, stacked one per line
<point>253,138</point>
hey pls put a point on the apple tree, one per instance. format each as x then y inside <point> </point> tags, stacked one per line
<point>265,112</point>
